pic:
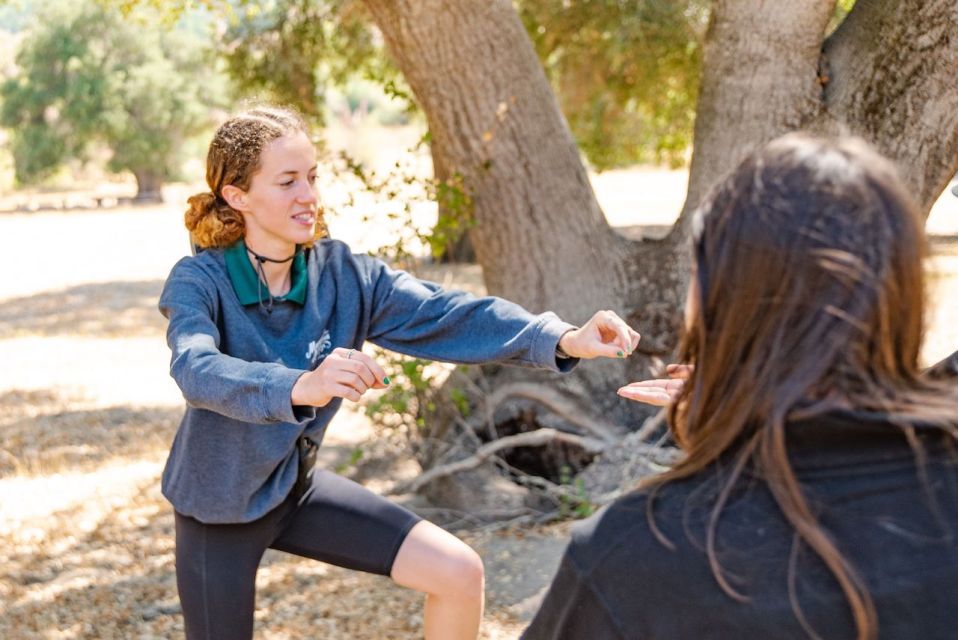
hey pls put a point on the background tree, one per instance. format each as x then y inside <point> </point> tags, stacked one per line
<point>291,51</point>
<point>626,73</point>
<point>88,77</point>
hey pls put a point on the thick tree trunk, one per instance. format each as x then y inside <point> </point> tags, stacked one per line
<point>889,76</point>
<point>541,237</point>
<point>149,187</point>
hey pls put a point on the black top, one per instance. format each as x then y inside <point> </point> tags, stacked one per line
<point>895,521</point>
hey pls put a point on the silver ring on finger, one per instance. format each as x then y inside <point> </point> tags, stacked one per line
<point>350,354</point>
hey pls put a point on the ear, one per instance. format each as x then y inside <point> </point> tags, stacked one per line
<point>235,197</point>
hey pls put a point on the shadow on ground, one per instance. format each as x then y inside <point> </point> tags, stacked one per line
<point>42,433</point>
<point>103,310</point>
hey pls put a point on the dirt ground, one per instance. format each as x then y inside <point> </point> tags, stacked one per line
<point>87,413</point>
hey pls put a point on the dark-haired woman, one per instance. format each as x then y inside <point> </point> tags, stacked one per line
<point>818,494</point>
<point>266,326</point>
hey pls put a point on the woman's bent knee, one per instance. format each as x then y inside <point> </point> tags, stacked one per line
<point>436,562</point>
<point>466,576</point>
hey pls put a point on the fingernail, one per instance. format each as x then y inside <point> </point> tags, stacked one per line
<point>620,354</point>
<point>386,380</point>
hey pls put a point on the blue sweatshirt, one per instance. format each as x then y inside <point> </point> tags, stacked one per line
<point>234,456</point>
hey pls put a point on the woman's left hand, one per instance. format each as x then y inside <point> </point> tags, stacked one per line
<point>660,392</point>
<point>604,335</point>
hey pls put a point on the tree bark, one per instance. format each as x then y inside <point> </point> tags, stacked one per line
<point>760,80</point>
<point>494,119</point>
<point>887,74</point>
<point>894,82</point>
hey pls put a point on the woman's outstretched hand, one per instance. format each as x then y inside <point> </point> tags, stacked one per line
<point>660,392</point>
<point>604,335</point>
<point>345,373</point>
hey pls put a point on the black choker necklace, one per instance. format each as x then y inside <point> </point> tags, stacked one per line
<point>261,259</point>
<point>261,277</point>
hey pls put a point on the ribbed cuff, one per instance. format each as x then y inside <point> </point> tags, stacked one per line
<point>547,340</point>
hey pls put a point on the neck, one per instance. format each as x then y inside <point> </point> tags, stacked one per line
<point>275,269</point>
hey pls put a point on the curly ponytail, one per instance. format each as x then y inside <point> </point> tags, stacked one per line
<point>211,222</point>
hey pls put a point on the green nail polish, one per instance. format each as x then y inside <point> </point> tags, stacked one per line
<point>620,354</point>
<point>386,380</point>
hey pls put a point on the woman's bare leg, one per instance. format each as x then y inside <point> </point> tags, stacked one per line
<point>450,573</point>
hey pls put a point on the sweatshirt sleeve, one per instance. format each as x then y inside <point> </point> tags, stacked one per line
<point>255,392</point>
<point>421,319</point>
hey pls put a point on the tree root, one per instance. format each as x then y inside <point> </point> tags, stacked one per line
<point>537,438</point>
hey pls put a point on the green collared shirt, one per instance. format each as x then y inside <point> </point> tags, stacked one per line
<point>246,282</point>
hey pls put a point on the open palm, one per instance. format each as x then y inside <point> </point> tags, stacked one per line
<point>661,391</point>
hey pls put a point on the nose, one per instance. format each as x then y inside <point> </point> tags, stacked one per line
<point>308,195</point>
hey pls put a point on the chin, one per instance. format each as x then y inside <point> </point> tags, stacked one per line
<point>301,237</point>
<point>305,238</point>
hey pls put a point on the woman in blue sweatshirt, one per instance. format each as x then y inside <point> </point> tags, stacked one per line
<point>266,328</point>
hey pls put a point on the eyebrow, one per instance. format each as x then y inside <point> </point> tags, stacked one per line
<point>295,172</point>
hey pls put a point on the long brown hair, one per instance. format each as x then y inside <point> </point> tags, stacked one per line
<point>809,295</point>
<point>234,157</point>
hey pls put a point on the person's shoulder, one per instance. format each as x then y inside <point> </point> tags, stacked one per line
<point>330,246</point>
<point>201,262</point>
<point>371,270</point>
<point>202,270</point>
<point>330,251</point>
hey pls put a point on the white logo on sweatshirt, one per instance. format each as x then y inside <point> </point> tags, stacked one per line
<point>319,349</point>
